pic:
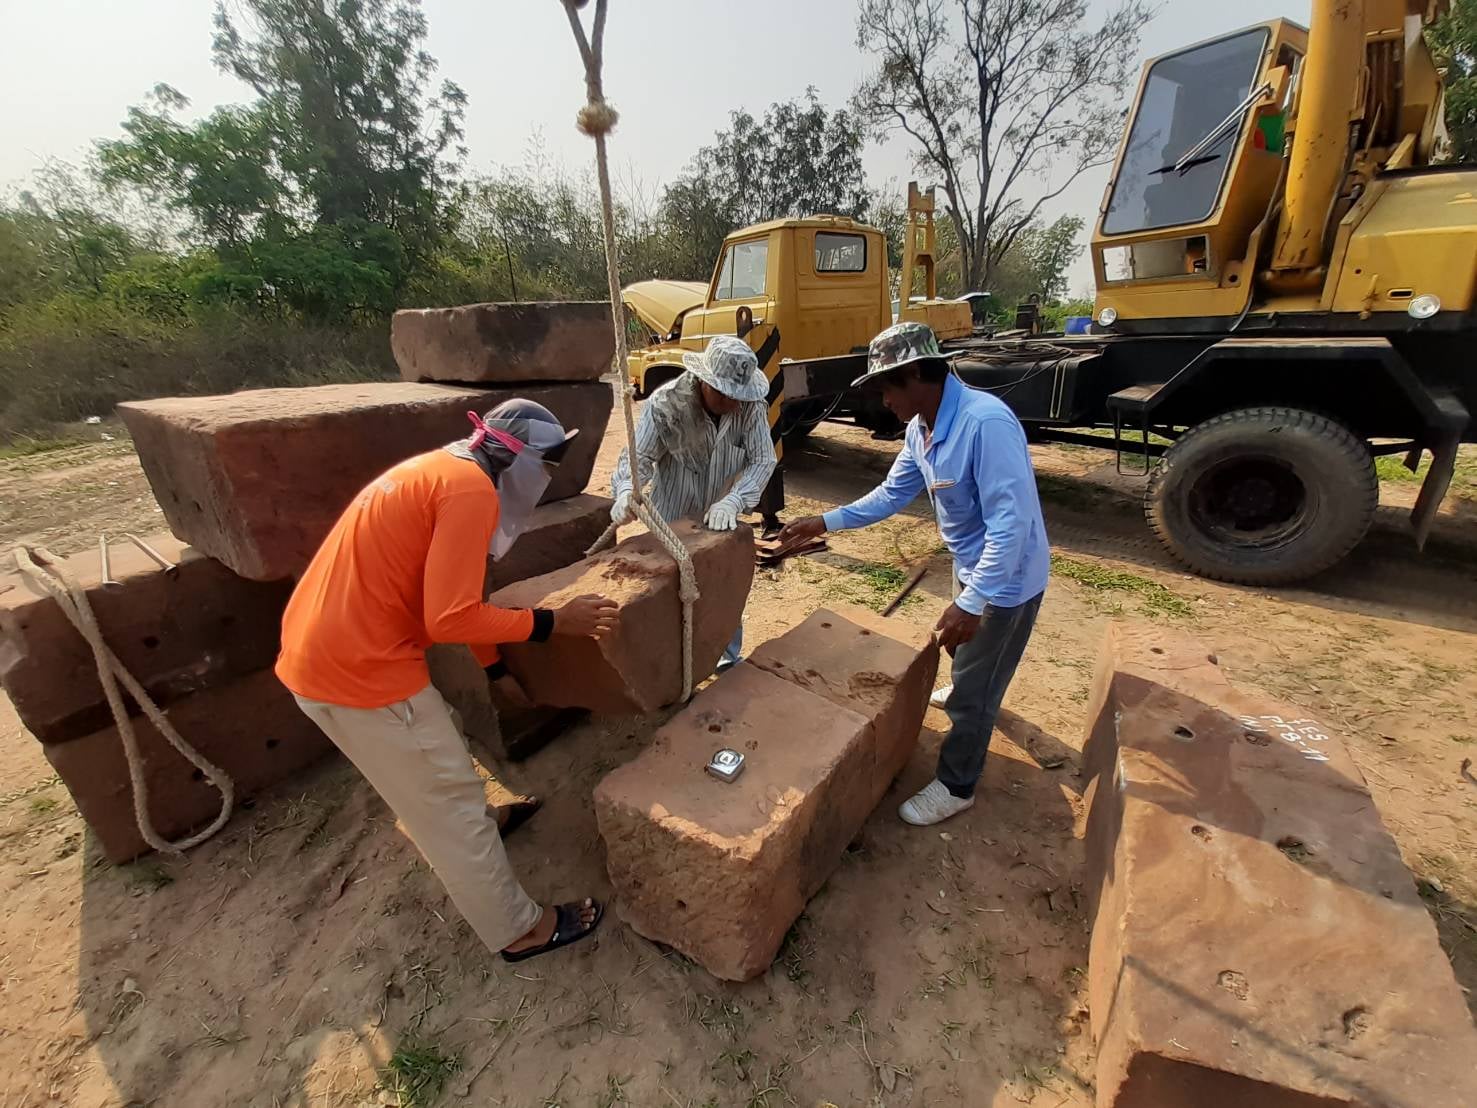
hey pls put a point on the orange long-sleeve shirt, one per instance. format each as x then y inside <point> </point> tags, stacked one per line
<point>402,569</point>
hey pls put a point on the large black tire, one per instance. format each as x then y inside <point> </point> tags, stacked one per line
<point>1263,496</point>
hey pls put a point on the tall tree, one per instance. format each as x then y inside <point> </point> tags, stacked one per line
<point>1454,42</point>
<point>348,83</point>
<point>223,171</point>
<point>1037,262</point>
<point>1007,102</point>
<point>798,160</point>
<point>67,234</point>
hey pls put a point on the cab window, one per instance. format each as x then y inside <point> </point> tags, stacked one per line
<point>1189,106</point>
<point>838,253</point>
<point>742,271</point>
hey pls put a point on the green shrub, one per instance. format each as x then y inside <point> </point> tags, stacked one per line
<point>73,356</point>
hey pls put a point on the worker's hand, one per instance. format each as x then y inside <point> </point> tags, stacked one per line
<point>955,628</point>
<point>507,688</point>
<point>622,512</point>
<point>803,529</point>
<point>590,616</point>
<point>722,516</point>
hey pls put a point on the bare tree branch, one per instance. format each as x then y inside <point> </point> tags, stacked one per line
<point>996,95</point>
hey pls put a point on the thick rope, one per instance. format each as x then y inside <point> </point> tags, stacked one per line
<point>596,119</point>
<point>44,569</point>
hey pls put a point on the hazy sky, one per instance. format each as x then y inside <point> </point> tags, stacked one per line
<point>69,69</point>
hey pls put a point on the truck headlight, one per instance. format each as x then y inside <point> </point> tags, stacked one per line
<point>1109,316</point>
<point>1424,306</point>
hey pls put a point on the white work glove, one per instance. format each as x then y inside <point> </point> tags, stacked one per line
<point>621,512</point>
<point>722,516</point>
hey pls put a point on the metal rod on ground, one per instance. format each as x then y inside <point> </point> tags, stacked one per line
<point>906,591</point>
<point>102,557</point>
<point>169,568</point>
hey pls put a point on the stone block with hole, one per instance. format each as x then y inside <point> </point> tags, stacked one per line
<point>179,633</point>
<point>638,666</point>
<point>251,728</point>
<point>882,668</point>
<point>504,343</point>
<point>1257,939</point>
<point>258,478</point>
<point>823,716</point>
<point>720,870</point>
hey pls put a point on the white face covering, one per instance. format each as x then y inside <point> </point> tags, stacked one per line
<point>516,446</point>
<point>519,488</point>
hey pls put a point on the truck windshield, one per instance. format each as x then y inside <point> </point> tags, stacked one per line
<point>742,270</point>
<point>1186,97</point>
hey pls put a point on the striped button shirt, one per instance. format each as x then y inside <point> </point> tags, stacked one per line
<point>696,462</point>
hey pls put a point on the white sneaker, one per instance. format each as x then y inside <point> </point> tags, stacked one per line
<point>940,697</point>
<point>933,805</point>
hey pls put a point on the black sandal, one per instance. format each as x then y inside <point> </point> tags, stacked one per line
<point>567,929</point>
<point>519,813</point>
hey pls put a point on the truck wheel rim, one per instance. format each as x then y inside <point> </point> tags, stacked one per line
<point>1251,503</point>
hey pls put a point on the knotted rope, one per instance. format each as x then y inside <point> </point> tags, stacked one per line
<point>596,119</point>
<point>44,570</point>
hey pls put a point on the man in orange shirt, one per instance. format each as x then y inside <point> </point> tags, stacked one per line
<point>402,569</point>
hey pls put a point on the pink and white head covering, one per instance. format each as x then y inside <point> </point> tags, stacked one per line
<point>515,444</point>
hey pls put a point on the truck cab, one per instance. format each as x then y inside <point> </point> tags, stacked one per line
<point>796,289</point>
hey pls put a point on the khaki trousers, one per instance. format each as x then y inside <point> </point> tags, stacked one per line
<point>417,760</point>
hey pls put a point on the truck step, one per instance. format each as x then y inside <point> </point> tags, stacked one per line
<point>1135,398</point>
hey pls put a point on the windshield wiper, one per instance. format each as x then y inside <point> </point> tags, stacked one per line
<point>1196,154</point>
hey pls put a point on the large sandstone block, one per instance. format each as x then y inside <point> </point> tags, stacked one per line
<point>880,668</point>
<point>258,478</point>
<point>557,536</point>
<point>637,667</point>
<point>1257,939</point>
<point>504,343</point>
<point>252,729</point>
<point>721,870</point>
<point>178,633</point>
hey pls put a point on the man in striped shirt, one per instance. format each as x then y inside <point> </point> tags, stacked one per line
<point>702,446</point>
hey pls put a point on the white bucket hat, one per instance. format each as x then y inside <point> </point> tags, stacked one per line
<point>729,365</point>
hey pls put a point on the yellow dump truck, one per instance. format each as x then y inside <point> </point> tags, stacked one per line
<point>796,289</point>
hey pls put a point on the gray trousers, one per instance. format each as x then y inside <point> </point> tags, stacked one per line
<point>983,668</point>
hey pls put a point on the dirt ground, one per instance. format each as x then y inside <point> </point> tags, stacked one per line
<point>307,957</point>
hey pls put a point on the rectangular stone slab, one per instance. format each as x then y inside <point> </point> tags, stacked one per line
<point>720,870</point>
<point>558,535</point>
<point>179,633</point>
<point>881,668</point>
<point>252,729</point>
<point>1257,939</point>
<point>638,666</point>
<point>504,343</point>
<point>258,478</point>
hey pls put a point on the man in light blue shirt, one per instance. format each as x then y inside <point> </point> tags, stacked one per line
<point>967,450</point>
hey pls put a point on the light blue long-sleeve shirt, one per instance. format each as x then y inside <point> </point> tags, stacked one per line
<point>977,471</point>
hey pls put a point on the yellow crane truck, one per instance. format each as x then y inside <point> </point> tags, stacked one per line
<point>1287,287</point>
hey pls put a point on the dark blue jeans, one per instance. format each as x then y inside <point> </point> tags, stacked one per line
<point>983,668</point>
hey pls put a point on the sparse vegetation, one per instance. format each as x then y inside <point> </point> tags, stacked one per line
<point>1154,598</point>
<point>416,1074</point>
<point>147,876</point>
<point>1083,496</point>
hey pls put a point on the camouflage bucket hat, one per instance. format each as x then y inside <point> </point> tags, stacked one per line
<point>901,344</point>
